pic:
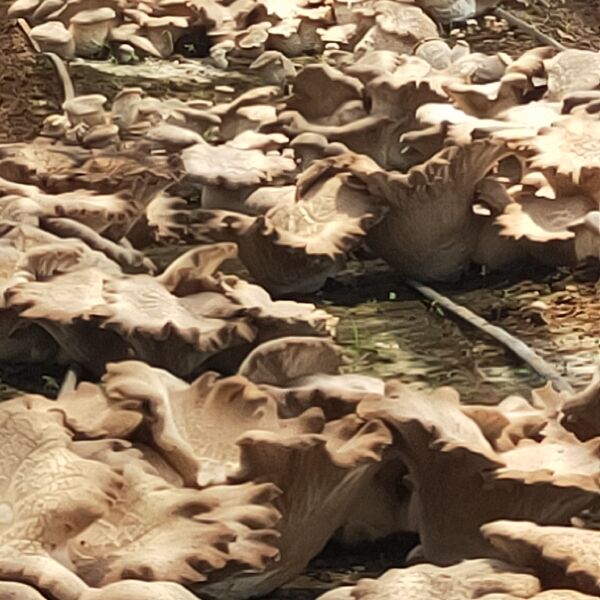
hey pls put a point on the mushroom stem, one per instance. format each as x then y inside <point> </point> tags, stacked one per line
<point>57,62</point>
<point>515,345</point>
<point>532,31</point>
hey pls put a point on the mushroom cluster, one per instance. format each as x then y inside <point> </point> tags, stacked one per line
<point>435,160</point>
<point>240,31</point>
<point>228,486</point>
<point>217,445</point>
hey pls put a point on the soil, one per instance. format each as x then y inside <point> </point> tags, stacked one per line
<point>29,88</point>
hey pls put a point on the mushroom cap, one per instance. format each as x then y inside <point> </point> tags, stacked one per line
<point>100,135</point>
<point>232,167</point>
<point>571,551</point>
<point>83,105</point>
<point>468,580</point>
<point>51,32</point>
<point>95,15</point>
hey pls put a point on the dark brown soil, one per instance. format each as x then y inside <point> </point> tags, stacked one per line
<point>29,88</point>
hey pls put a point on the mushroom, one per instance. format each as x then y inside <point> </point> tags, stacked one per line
<point>320,89</point>
<point>295,247</point>
<point>88,109</point>
<point>570,71</point>
<point>53,36</point>
<point>468,580</point>
<point>274,68</point>
<point>137,314</point>
<point>125,107</point>
<point>435,431</point>
<point>343,451</point>
<point>451,11</point>
<point>228,175</point>
<point>90,30</point>
<point>407,238</point>
<point>398,27</point>
<point>561,556</point>
<point>49,494</point>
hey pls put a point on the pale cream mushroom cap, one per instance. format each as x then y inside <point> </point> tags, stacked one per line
<point>53,36</point>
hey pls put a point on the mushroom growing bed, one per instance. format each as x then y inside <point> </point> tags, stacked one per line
<point>300,300</point>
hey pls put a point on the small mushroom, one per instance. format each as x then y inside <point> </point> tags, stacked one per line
<point>88,110</point>
<point>53,36</point>
<point>274,68</point>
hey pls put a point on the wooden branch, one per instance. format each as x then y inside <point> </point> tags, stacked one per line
<point>529,29</point>
<point>514,344</point>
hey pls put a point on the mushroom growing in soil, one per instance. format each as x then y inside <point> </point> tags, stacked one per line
<point>216,430</point>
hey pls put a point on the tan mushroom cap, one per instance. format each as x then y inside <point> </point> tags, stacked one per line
<point>466,581</point>
<point>561,556</point>
<point>96,15</point>
<point>52,32</point>
<point>320,89</point>
<point>570,71</point>
<point>232,167</point>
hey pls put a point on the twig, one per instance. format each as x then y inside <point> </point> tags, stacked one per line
<point>57,62</point>
<point>70,381</point>
<point>529,29</point>
<point>515,345</point>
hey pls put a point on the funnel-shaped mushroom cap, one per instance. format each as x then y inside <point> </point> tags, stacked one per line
<point>561,556</point>
<point>413,238</point>
<point>320,89</point>
<point>197,426</point>
<point>338,462</point>
<point>436,52</point>
<point>53,36</point>
<point>155,531</point>
<point>572,71</point>
<point>542,219</point>
<point>373,64</point>
<point>296,246</point>
<point>284,360</point>
<point>466,581</point>
<point>88,109</point>
<point>442,446</point>
<point>90,29</point>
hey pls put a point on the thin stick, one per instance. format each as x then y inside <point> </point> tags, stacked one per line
<point>70,381</point>
<point>532,31</point>
<point>515,345</point>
